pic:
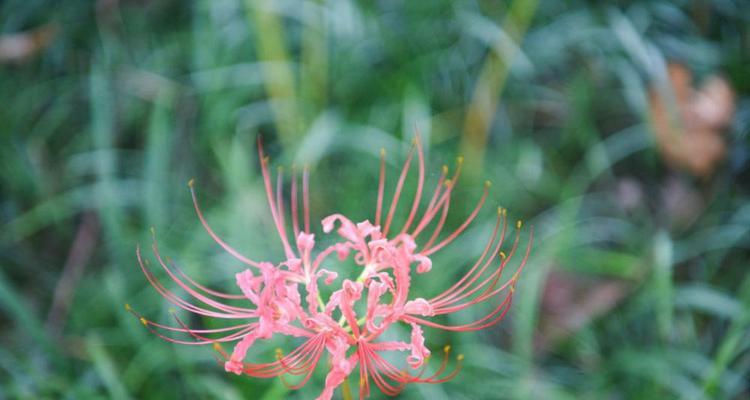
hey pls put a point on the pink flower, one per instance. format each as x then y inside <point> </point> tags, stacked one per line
<point>283,298</point>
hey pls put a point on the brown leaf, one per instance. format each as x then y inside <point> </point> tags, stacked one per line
<point>19,47</point>
<point>689,123</point>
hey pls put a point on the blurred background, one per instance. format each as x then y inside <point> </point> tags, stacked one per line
<point>619,129</point>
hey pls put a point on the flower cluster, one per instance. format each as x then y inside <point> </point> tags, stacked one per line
<point>284,298</point>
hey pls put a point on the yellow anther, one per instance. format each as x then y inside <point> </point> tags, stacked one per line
<point>153,231</point>
<point>460,160</point>
<point>414,140</point>
<point>487,184</point>
<point>499,211</point>
<point>502,255</point>
<point>519,224</point>
<point>448,183</point>
<point>460,357</point>
<point>265,160</point>
<point>382,152</point>
<point>361,381</point>
<point>127,307</point>
<point>191,182</point>
<point>172,311</point>
<point>447,348</point>
<point>143,321</point>
<point>445,170</point>
<point>217,346</point>
<point>505,212</point>
<point>278,351</point>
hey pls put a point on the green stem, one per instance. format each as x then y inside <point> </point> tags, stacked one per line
<point>490,83</point>
<point>346,390</point>
<point>360,278</point>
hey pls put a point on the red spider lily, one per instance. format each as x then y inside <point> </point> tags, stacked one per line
<point>386,256</point>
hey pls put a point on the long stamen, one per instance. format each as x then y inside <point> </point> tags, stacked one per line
<point>204,288</point>
<point>280,199</point>
<point>190,290</point>
<point>438,187</point>
<point>463,226</point>
<point>179,302</point>
<point>454,288</point>
<point>276,368</point>
<point>441,222</point>
<point>308,366</point>
<point>306,196</point>
<point>512,281</point>
<point>492,318</point>
<point>275,214</point>
<point>213,235</point>
<point>433,209</point>
<point>420,186</point>
<point>152,326</point>
<point>295,211</point>
<point>397,193</point>
<point>492,280</point>
<point>381,188</point>
<point>488,320</point>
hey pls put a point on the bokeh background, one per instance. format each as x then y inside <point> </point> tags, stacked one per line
<point>618,129</point>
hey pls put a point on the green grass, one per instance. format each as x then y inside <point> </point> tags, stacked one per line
<point>131,100</point>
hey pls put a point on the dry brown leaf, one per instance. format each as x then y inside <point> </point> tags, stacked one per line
<point>19,47</point>
<point>689,123</point>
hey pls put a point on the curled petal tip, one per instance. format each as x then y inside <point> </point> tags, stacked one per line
<point>233,366</point>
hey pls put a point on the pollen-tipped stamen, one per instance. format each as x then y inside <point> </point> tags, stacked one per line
<point>462,227</point>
